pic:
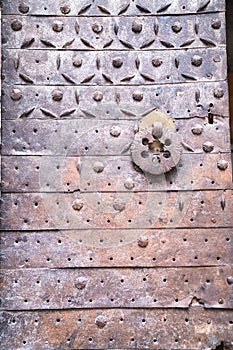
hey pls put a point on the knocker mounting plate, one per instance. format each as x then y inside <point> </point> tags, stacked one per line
<point>156,148</point>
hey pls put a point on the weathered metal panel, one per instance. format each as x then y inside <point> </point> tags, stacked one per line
<point>91,137</point>
<point>100,32</point>
<point>108,7</point>
<point>114,103</point>
<point>83,228</point>
<point>110,248</point>
<point>117,210</point>
<point>40,67</point>
<point>104,288</point>
<point>108,174</point>
<point>195,328</point>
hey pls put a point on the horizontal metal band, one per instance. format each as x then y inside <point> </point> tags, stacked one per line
<point>109,8</point>
<point>68,102</point>
<point>116,248</point>
<point>42,67</point>
<point>109,173</point>
<point>91,137</point>
<point>119,329</point>
<point>101,210</point>
<point>114,33</point>
<point>104,288</point>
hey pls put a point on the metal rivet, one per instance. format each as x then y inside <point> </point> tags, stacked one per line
<point>218,93</point>
<point>100,321</point>
<point>98,167</point>
<point>157,62</point>
<point>176,27</point>
<point>137,95</point>
<point>16,25</point>
<point>119,205</point>
<point>77,204</point>
<point>222,164</point>
<point>230,280</point>
<point>23,8</point>
<point>129,184</point>
<point>98,96</point>
<point>208,146</point>
<point>117,62</point>
<point>217,58</point>
<point>197,129</point>
<point>143,242</point>
<point>81,283</point>
<point>57,26</point>
<point>16,94</point>
<point>136,27</point>
<point>196,60</point>
<point>57,95</point>
<point>221,301</point>
<point>216,24</point>
<point>65,9</point>
<point>115,131</point>
<point>97,27</point>
<point>77,61</point>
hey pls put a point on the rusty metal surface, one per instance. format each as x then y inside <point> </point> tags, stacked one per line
<point>37,211</point>
<point>104,288</point>
<point>91,137</point>
<point>195,328</point>
<point>35,174</point>
<point>23,68</point>
<point>109,248</point>
<point>112,103</point>
<point>115,33</point>
<point>107,7</point>
<point>95,252</point>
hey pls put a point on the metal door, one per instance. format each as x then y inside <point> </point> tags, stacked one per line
<point>116,197</point>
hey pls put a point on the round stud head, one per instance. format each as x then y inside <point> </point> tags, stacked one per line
<point>119,204</point>
<point>16,25</point>
<point>57,26</point>
<point>57,95</point>
<point>222,164</point>
<point>100,321</point>
<point>137,95</point>
<point>117,62</point>
<point>65,9</point>
<point>208,147</point>
<point>81,283</point>
<point>196,60</point>
<point>218,93</point>
<point>16,94</point>
<point>157,62</point>
<point>216,24</point>
<point>143,242</point>
<point>77,204</point>
<point>98,96</point>
<point>23,8</point>
<point>77,61</point>
<point>98,167</point>
<point>136,27</point>
<point>129,184</point>
<point>177,27</point>
<point>230,280</point>
<point>97,27</point>
<point>197,129</point>
<point>115,131</point>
